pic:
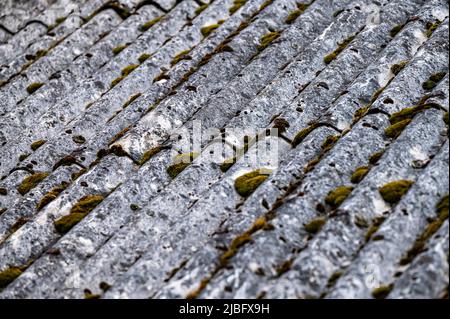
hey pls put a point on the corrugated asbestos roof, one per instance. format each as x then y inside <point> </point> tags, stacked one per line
<point>93,202</point>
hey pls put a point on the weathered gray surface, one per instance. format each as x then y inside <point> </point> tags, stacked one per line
<point>154,236</point>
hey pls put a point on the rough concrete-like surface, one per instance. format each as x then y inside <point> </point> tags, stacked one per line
<point>100,98</point>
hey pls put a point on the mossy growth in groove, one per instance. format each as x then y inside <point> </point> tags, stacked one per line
<point>382,292</point>
<point>119,49</point>
<point>329,142</point>
<point>411,112</point>
<point>184,55</point>
<point>315,225</point>
<point>23,157</point>
<point>180,163</point>
<point>300,136</point>
<point>128,69</point>
<point>51,195</point>
<point>35,145</point>
<point>201,8</point>
<point>396,129</point>
<point>33,87</point>
<point>58,21</point>
<point>246,184</point>
<point>146,26</point>
<point>149,154</point>
<point>83,207</point>
<point>359,174</point>
<point>237,4</point>
<point>144,57</point>
<point>341,47</point>
<point>395,30</point>
<point>397,68</point>
<point>360,113</point>
<point>376,223</point>
<point>207,30</point>
<point>442,210</point>
<point>393,192</point>
<point>226,165</point>
<point>293,15</point>
<point>433,81</point>
<point>131,100</point>
<point>284,267</point>
<point>445,118</point>
<point>431,27</point>
<point>337,196</point>
<point>31,182</point>
<point>265,5</point>
<point>242,239</point>
<point>375,157</point>
<point>8,275</point>
<point>3,191</point>
<point>116,81</point>
<point>267,39</point>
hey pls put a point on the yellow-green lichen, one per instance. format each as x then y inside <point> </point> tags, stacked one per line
<point>180,163</point>
<point>335,198</point>
<point>382,292</point>
<point>184,55</point>
<point>119,49</point>
<point>246,184</point>
<point>359,174</point>
<point>293,15</point>
<point>341,47</point>
<point>83,207</point>
<point>396,129</point>
<point>150,24</point>
<point>35,145</point>
<point>394,191</point>
<point>33,87</point>
<point>51,195</point>
<point>267,39</point>
<point>8,275</point>
<point>237,4</point>
<point>433,81</point>
<point>315,225</point>
<point>31,182</point>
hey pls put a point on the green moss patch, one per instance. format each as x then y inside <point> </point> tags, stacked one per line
<point>146,26</point>
<point>433,81</point>
<point>397,68</point>
<point>128,69</point>
<point>9,275</point>
<point>184,55</point>
<point>395,30</point>
<point>337,196</point>
<point>149,154</point>
<point>83,207</point>
<point>359,174</point>
<point>341,47</point>
<point>237,4</point>
<point>119,49</point>
<point>300,136</point>
<point>246,184</point>
<point>180,163</point>
<point>315,225</point>
<point>267,39</point>
<point>202,8</point>
<point>431,27</point>
<point>374,227</point>
<point>396,129</point>
<point>394,191</point>
<point>207,30</point>
<point>31,182</point>
<point>144,57</point>
<point>265,5</point>
<point>35,145</point>
<point>51,195</point>
<point>375,157</point>
<point>33,87</point>
<point>382,292</point>
<point>329,142</point>
<point>293,15</point>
